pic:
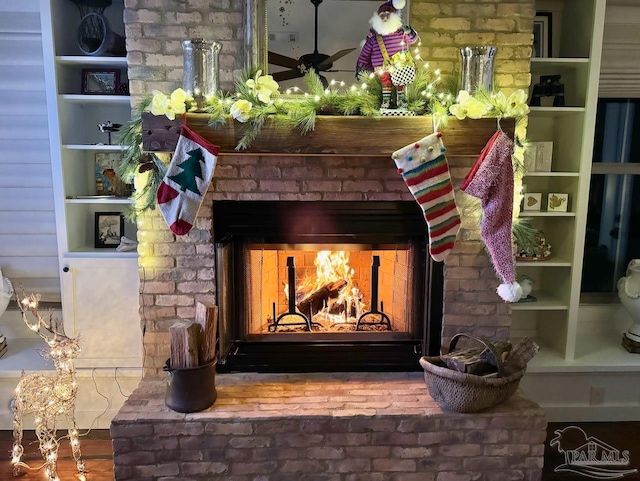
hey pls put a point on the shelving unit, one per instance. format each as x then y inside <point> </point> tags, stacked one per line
<point>100,286</point>
<point>581,372</point>
<point>576,49</point>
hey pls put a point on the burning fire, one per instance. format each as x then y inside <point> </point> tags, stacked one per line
<point>343,299</point>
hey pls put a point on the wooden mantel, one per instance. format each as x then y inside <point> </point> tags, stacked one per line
<point>352,136</point>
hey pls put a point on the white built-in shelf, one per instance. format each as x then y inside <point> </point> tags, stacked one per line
<point>100,200</point>
<point>594,354</point>
<point>544,303</point>
<point>540,213</point>
<point>78,98</point>
<point>555,111</point>
<point>100,148</point>
<point>558,61</point>
<point>550,263</point>
<point>92,252</point>
<point>90,61</point>
<point>552,174</point>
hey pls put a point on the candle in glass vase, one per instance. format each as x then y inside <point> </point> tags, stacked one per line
<point>201,69</point>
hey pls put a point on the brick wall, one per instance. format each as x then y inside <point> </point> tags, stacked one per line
<point>177,272</point>
<point>325,427</point>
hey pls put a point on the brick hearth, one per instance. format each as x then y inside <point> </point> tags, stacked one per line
<point>324,427</point>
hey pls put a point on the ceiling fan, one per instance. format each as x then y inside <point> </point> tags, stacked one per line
<point>320,62</point>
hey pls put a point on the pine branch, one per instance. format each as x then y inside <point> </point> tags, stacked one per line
<point>313,83</point>
<point>144,198</point>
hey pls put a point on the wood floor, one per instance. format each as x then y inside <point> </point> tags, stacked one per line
<point>97,454</point>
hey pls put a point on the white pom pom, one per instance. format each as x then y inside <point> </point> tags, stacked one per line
<point>510,292</point>
<point>399,4</point>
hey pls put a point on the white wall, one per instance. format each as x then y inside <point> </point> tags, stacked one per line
<point>28,248</point>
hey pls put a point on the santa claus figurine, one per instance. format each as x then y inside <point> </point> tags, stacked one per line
<point>387,37</point>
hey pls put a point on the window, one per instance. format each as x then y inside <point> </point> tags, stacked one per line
<point>613,219</point>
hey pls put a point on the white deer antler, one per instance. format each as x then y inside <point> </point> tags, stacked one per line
<point>29,305</point>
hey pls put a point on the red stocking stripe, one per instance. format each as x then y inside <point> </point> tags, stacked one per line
<point>426,171</point>
<point>180,227</point>
<point>198,139</point>
<point>443,227</point>
<point>166,193</point>
<point>444,244</point>
<point>440,209</point>
<point>442,189</point>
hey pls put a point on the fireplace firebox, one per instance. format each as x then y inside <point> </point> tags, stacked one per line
<point>324,286</point>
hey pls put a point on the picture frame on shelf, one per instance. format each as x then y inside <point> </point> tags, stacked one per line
<point>109,228</point>
<point>532,201</point>
<point>557,202</point>
<point>538,157</point>
<point>107,181</point>
<point>100,81</point>
<point>542,35</point>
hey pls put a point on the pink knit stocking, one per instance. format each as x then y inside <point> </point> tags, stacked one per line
<point>491,181</point>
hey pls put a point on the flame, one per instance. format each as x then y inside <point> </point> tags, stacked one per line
<point>332,266</point>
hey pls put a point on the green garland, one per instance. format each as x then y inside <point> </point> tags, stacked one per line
<point>256,99</point>
<point>135,161</point>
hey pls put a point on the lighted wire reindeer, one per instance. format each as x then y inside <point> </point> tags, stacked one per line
<point>47,397</point>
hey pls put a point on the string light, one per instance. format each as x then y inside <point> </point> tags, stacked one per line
<point>47,397</point>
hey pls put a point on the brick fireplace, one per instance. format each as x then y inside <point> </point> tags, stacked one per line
<point>318,426</point>
<point>181,271</point>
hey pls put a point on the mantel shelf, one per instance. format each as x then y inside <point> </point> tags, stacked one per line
<point>347,136</point>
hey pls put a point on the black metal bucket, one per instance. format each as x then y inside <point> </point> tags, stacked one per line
<point>192,389</point>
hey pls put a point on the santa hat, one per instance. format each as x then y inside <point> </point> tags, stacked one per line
<point>392,6</point>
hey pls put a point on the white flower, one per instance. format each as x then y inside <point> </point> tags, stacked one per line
<point>263,86</point>
<point>240,110</point>
<point>158,103</point>
<point>476,109</point>
<point>458,110</point>
<point>175,105</point>
<point>517,104</point>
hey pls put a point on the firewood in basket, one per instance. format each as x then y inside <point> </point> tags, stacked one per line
<point>184,337</point>
<point>502,347</point>
<point>318,298</point>
<point>521,353</point>
<point>469,361</point>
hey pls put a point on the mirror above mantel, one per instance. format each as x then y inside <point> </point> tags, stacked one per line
<point>287,29</point>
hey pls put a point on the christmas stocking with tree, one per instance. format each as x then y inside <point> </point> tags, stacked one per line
<point>188,177</point>
<point>424,168</point>
<point>491,181</point>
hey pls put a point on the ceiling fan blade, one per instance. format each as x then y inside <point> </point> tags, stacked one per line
<point>338,55</point>
<point>282,60</point>
<point>286,75</point>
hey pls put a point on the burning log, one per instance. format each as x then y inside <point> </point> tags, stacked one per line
<point>318,298</point>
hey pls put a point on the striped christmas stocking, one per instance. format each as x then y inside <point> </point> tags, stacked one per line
<point>188,177</point>
<point>424,168</point>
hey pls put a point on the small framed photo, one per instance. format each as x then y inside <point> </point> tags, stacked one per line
<point>532,201</point>
<point>538,157</point>
<point>100,81</point>
<point>109,228</point>
<point>542,35</point>
<point>107,182</point>
<point>557,202</point>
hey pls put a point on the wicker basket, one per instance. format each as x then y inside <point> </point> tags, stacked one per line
<point>466,393</point>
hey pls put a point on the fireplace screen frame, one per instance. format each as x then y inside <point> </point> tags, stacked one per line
<point>379,225</point>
